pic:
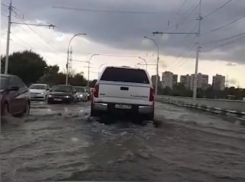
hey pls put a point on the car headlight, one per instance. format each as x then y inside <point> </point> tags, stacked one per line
<point>68,96</point>
<point>43,93</point>
<point>81,95</point>
<point>50,95</point>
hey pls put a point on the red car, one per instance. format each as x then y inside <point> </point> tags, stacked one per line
<point>14,95</point>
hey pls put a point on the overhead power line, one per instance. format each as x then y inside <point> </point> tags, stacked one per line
<point>31,17</point>
<point>220,40</point>
<point>23,41</point>
<point>193,10</point>
<point>186,61</point>
<point>217,9</point>
<point>28,15</point>
<point>4,15</point>
<point>178,25</point>
<point>180,8</point>
<point>191,30</point>
<point>103,11</point>
<point>223,26</point>
<point>190,46</point>
<point>28,25</point>
<point>111,55</point>
<point>33,24</point>
<point>111,11</point>
<point>222,45</point>
<point>4,5</point>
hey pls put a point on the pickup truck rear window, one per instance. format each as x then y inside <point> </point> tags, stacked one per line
<point>125,75</point>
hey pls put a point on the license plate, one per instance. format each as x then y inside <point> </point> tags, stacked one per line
<point>119,106</point>
<point>57,99</point>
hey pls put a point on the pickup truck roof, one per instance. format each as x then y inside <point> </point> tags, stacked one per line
<point>125,74</point>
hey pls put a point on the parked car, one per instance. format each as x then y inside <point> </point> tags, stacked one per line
<point>81,93</point>
<point>14,95</point>
<point>39,91</point>
<point>62,94</point>
<point>123,90</point>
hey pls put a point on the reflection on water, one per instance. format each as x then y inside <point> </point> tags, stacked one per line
<point>58,144</point>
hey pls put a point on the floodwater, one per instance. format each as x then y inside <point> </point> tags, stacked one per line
<point>60,143</point>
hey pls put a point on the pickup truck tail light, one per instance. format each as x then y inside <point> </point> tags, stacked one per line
<point>152,93</point>
<point>96,91</point>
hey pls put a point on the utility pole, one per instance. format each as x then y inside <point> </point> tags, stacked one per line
<point>88,73</point>
<point>70,63</point>
<point>67,64</point>
<point>197,52</point>
<point>157,74</point>
<point>9,31</point>
<point>198,47</point>
<point>8,39</point>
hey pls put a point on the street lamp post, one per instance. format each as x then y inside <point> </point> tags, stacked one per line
<point>156,84</point>
<point>89,67</point>
<point>100,67</point>
<point>144,61</point>
<point>68,49</point>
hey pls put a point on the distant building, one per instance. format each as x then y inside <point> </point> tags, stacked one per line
<point>153,80</point>
<point>169,79</point>
<point>202,81</point>
<point>175,80</point>
<point>218,82</point>
<point>186,81</point>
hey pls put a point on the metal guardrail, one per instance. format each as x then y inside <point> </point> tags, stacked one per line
<point>212,105</point>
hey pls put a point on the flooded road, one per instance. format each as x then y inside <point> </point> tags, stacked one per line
<point>59,143</point>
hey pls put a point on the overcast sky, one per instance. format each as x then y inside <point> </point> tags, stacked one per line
<point>117,27</point>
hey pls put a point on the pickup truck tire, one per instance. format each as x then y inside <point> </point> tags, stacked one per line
<point>151,116</point>
<point>94,113</point>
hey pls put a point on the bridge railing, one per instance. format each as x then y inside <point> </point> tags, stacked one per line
<point>215,103</point>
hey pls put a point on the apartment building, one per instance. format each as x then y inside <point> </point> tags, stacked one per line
<point>218,82</point>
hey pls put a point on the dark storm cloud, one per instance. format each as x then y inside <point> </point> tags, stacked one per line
<point>126,31</point>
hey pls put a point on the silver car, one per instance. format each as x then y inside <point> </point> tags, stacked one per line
<point>81,93</point>
<point>39,91</point>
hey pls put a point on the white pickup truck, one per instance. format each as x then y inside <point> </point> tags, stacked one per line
<point>123,90</point>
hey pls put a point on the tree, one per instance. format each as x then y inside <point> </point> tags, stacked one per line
<point>51,70</point>
<point>28,65</point>
<point>92,84</point>
<point>78,80</point>
<point>53,77</point>
<point>51,74</point>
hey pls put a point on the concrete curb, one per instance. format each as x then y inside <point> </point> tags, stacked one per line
<point>214,110</point>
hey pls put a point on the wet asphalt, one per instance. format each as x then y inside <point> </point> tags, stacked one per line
<point>60,143</point>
